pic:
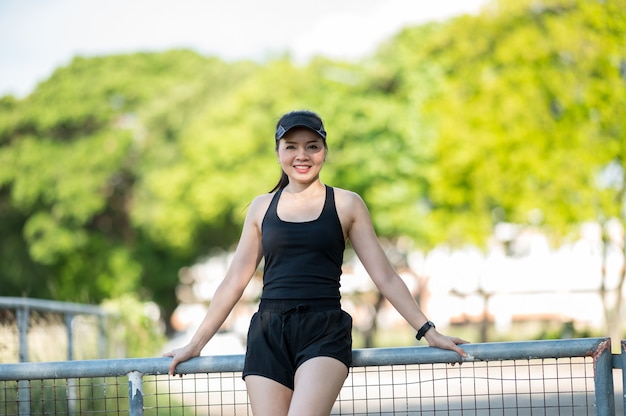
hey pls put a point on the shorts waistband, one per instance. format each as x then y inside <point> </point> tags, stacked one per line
<point>299,305</point>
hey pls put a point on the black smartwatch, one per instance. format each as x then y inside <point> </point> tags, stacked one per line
<point>424,329</point>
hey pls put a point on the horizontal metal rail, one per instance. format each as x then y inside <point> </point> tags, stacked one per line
<point>43,305</point>
<point>498,351</point>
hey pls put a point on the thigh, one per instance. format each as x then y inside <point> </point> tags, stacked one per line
<point>317,385</point>
<point>267,397</point>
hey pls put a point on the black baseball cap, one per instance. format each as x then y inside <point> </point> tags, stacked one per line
<point>306,119</point>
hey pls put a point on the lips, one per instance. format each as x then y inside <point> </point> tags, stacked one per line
<point>302,168</point>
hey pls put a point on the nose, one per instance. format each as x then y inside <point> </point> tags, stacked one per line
<point>302,153</point>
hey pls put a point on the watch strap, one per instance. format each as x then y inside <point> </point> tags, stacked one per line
<point>424,329</point>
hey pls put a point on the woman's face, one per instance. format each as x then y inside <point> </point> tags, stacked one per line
<point>301,154</point>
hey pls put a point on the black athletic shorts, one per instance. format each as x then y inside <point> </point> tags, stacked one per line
<point>283,334</point>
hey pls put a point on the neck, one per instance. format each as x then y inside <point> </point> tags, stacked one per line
<point>304,188</point>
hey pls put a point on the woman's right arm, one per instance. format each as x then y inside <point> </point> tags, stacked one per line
<point>244,263</point>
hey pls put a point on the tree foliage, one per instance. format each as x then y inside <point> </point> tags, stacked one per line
<point>529,113</point>
<point>119,170</point>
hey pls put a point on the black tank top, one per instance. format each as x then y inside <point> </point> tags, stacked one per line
<point>302,259</point>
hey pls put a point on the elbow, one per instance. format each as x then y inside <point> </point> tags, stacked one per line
<point>232,288</point>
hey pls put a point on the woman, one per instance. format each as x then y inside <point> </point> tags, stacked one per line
<point>299,342</point>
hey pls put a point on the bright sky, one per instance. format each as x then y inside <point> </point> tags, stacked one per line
<point>36,36</point>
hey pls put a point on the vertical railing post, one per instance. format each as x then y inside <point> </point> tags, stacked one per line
<point>69,325</point>
<point>102,337</point>
<point>603,379</point>
<point>72,383</point>
<point>73,396</point>
<point>22,328</point>
<point>135,393</point>
<point>23,397</point>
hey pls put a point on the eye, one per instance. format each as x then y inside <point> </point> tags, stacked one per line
<point>314,146</point>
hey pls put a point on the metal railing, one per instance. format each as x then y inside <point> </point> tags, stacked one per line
<point>565,377</point>
<point>25,306</point>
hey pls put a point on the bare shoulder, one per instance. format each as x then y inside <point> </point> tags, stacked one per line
<point>263,199</point>
<point>347,200</point>
<point>258,207</point>
<point>350,207</point>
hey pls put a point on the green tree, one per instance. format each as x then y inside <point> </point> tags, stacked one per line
<point>72,156</point>
<point>529,118</point>
<point>527,115</point>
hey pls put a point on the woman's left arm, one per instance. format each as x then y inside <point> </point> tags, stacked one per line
<point>367,247</point>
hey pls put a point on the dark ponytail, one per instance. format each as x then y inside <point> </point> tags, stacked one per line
<point>282,182</point>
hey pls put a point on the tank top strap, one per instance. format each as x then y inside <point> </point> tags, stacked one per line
<point>272,209</point>
<point>330,199</point>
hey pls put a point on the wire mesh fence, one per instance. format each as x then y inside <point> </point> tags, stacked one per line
<point>532,387</point>
<point>576,380</point>
<point>77,396</point>
<point>519,387</point>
